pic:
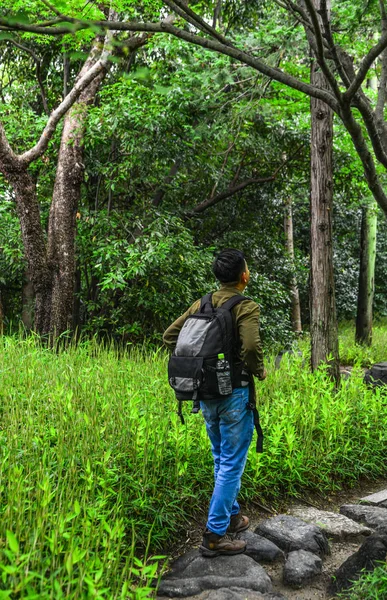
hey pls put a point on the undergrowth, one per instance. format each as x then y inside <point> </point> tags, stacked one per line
<point>371,586</point>
<point>352,353</point>
<point>97,474</point>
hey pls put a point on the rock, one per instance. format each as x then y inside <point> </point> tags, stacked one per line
<point>290,353</point>
<point>192,574</point>
<point>300,568</point>
<point>376,375</point>
<point>373,516</point>
<point>345,374</point>
<point>374,549</point>
<point>235,593</point>
<point>290,533</point>
<point>377,499</point>
<point>259,548</point>
<point>335,526</point>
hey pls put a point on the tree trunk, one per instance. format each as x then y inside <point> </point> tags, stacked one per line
<point>324,334</point>
<point>28,300</point>
<point>1,316</point>
<point>365,298</point>
<point>64,205</point>
<point>289,243</point>
<point>369,225</point>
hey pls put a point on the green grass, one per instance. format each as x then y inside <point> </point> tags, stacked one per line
<point>371,586</point>
<point>351,353</point>
<point>97,473</point>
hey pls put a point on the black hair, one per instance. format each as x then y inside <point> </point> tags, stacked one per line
<point>229,265</point>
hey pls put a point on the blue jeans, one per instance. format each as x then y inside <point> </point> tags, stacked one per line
<point>230,426</point>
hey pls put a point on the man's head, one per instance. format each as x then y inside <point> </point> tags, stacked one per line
<point>230,267</point>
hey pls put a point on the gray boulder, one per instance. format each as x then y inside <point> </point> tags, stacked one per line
<point>373,550</point>
<point>376,499</point>
<point>259,548</point>
<point>290,533</point>
<point>192,574</point>
<point>300,568</point>
<point>373,516</point>
<point>337,527</point>
<point>376,376</point>
<point>236,594</point>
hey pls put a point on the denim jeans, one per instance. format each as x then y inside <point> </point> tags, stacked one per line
<point>230,426</point>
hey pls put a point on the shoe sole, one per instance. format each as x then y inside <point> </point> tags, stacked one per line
<point>207,553</point>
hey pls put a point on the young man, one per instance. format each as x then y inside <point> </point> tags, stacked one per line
<point>229,419</point>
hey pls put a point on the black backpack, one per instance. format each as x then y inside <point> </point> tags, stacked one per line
<point>205,363</point>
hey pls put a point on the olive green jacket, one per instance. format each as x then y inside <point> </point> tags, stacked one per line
<point>247,320</point>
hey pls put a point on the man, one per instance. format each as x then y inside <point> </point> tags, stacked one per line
<point>229,419</point>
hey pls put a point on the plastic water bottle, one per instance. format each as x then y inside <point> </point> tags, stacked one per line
<point>223,376</point>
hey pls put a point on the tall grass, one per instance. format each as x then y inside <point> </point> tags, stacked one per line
<point>351,353</point>
<point>97,472</point>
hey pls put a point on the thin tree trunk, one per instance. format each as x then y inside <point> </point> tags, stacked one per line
<point>289,243</point>
<point>365,298</point>
<point>324,334</point>
<point>369,226</point>
<point>28,301</point>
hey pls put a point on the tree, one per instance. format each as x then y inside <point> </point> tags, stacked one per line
<point>363,120</point>
<point>49,263</point>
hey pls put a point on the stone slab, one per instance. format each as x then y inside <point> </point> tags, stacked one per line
<point>336,526</point>
<point>290,533</point>
<point>192,574</point>
<point>373,516</point>
<point>259,548</point>
<point>301,568</point>
<point>377,499</point>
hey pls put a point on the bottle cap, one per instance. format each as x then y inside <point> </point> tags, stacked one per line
<point>220,356</point>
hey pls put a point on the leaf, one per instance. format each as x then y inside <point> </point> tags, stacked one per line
<point>12,542</point>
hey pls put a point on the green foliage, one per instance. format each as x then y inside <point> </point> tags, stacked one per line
<point>371,586</point>
<point>143,283</point>
<point>98,473</point>
<point>352,353</point>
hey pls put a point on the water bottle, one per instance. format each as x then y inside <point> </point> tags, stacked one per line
<point>223,376</point>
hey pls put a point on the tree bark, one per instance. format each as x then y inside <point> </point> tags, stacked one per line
<point>324,334</point>
<point>289,244</point>
<point>366,291</point>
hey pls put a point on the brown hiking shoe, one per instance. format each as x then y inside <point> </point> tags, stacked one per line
<point>214,544</point>
<point>238,523</point>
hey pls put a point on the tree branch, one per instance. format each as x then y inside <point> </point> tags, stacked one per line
<point>365,66</point>
<point>379,110</point>
<point>38,65</point>
<point>227,193</point>
<point>234,189</point>
<point>213,45</point>
<point>40,147</point>
<point>331,44</point>
<point>320,49</point>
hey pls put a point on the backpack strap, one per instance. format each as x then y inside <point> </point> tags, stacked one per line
<point>206,303</point>
<point>231,302</point>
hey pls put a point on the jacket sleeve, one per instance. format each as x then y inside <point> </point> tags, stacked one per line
<point>251,347</point>
<point>172,333</point>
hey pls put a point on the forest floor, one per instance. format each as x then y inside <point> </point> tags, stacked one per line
<point>340,550</point>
